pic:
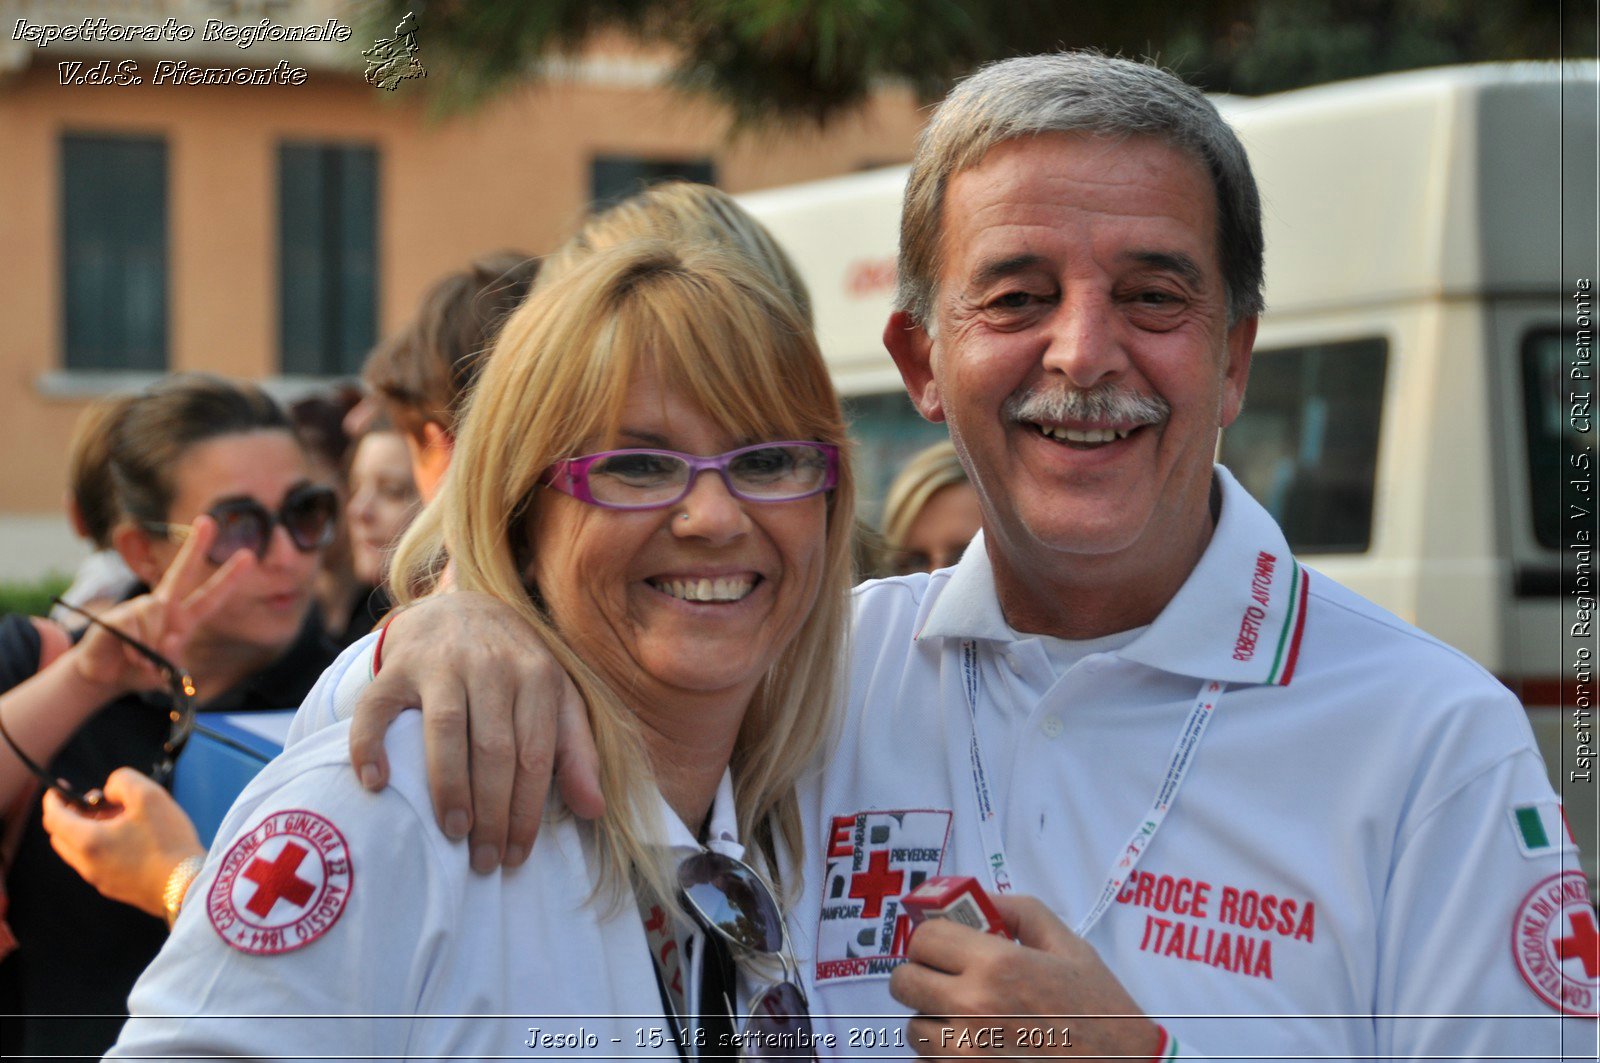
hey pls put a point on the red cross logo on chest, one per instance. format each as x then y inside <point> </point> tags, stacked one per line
<point>277,878</point>
<point>875,883</point>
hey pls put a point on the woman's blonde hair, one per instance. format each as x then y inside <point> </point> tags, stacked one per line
<point>925,475</point>
<point>684,211</point>
<point>713,329</point>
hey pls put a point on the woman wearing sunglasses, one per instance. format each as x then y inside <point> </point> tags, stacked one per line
<point>220,522</point>
<point>650,474</point>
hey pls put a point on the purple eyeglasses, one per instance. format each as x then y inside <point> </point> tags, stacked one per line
<point>652,479</point>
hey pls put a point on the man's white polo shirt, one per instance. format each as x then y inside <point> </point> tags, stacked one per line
<point>1365,859</point>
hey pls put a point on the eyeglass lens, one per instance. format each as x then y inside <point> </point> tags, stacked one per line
<point>765,473</point>
<point>307,514</point>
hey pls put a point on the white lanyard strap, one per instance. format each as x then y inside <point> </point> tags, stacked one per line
<point>1194,728</point>
<point>988,826</point>
<point>1178,763</point>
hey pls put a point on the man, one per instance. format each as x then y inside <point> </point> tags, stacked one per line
<point>1290,824</point>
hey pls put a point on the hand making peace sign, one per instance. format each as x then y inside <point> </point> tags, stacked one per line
<point>164,619</point>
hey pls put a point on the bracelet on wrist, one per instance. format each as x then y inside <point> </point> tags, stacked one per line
<point>179,879</point>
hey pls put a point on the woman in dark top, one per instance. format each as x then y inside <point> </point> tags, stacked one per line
<point>219,516</point>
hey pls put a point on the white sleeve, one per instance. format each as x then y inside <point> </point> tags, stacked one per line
<point>321,908</point>
<point>332,699</point>
<point>1474,926</point>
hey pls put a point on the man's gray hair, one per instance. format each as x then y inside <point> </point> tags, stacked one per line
<point>1076,92</point>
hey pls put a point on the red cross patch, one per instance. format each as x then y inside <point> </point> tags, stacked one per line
<point>282,885</point>
<point>871,861</point>
<point>1557,944</point>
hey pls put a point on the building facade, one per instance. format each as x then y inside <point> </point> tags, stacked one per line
<point>260,210</point>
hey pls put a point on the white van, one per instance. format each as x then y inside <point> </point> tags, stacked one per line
<point>1428,235</point>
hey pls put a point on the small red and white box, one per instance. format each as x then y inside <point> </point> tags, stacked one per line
<point>957,897</point>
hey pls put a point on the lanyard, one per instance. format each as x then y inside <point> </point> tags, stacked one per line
<point>1194,728</point>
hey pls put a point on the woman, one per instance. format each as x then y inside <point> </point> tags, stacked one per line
<point>146,855</point>
<point>103,578</point>
<point>319,425</point>
<point>931,513</point>
<point>423,374</point>
<point>685,211</point>
<point>704,628</point>
<point>383,500</point>
<point>218,517</point>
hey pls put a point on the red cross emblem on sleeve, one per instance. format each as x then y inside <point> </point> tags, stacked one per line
<point>277,879</point>
<point>1584,943</point>
<point>282,885</point>
<point>1557,945</point>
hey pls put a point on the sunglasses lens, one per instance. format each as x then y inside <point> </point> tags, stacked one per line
<point>731,897</point>
<point>780,1026</point>
<point>239,527</point>
<point>309,516</point>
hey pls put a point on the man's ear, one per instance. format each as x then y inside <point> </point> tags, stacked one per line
<point>1236,374</point>
<point>912,350</point>
<point>138,552</point>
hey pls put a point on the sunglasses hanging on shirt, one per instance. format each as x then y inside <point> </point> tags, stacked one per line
<point>729,899</point>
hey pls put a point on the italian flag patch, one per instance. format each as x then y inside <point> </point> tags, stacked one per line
<point>1541,829</point>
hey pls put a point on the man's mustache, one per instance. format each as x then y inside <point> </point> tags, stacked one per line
<point>1106,403</point>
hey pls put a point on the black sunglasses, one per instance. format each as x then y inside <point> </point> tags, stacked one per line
<point>181,685</point>
<point>729,898</point>
<point>309,514</point>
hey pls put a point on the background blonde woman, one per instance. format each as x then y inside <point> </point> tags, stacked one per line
<point>684,212</point>
<point>930,514</point>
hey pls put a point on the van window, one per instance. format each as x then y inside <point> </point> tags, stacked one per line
<point>1306,445</point>
<point>1553,439</point>
<point>888,432</point>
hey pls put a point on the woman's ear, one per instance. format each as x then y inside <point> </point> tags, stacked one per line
<point>430,457</point>
<point>138,552</point>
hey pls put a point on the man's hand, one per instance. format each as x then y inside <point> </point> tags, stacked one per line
<point>128,854</point>
<point>957,977</point>
<point>498,713</point>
